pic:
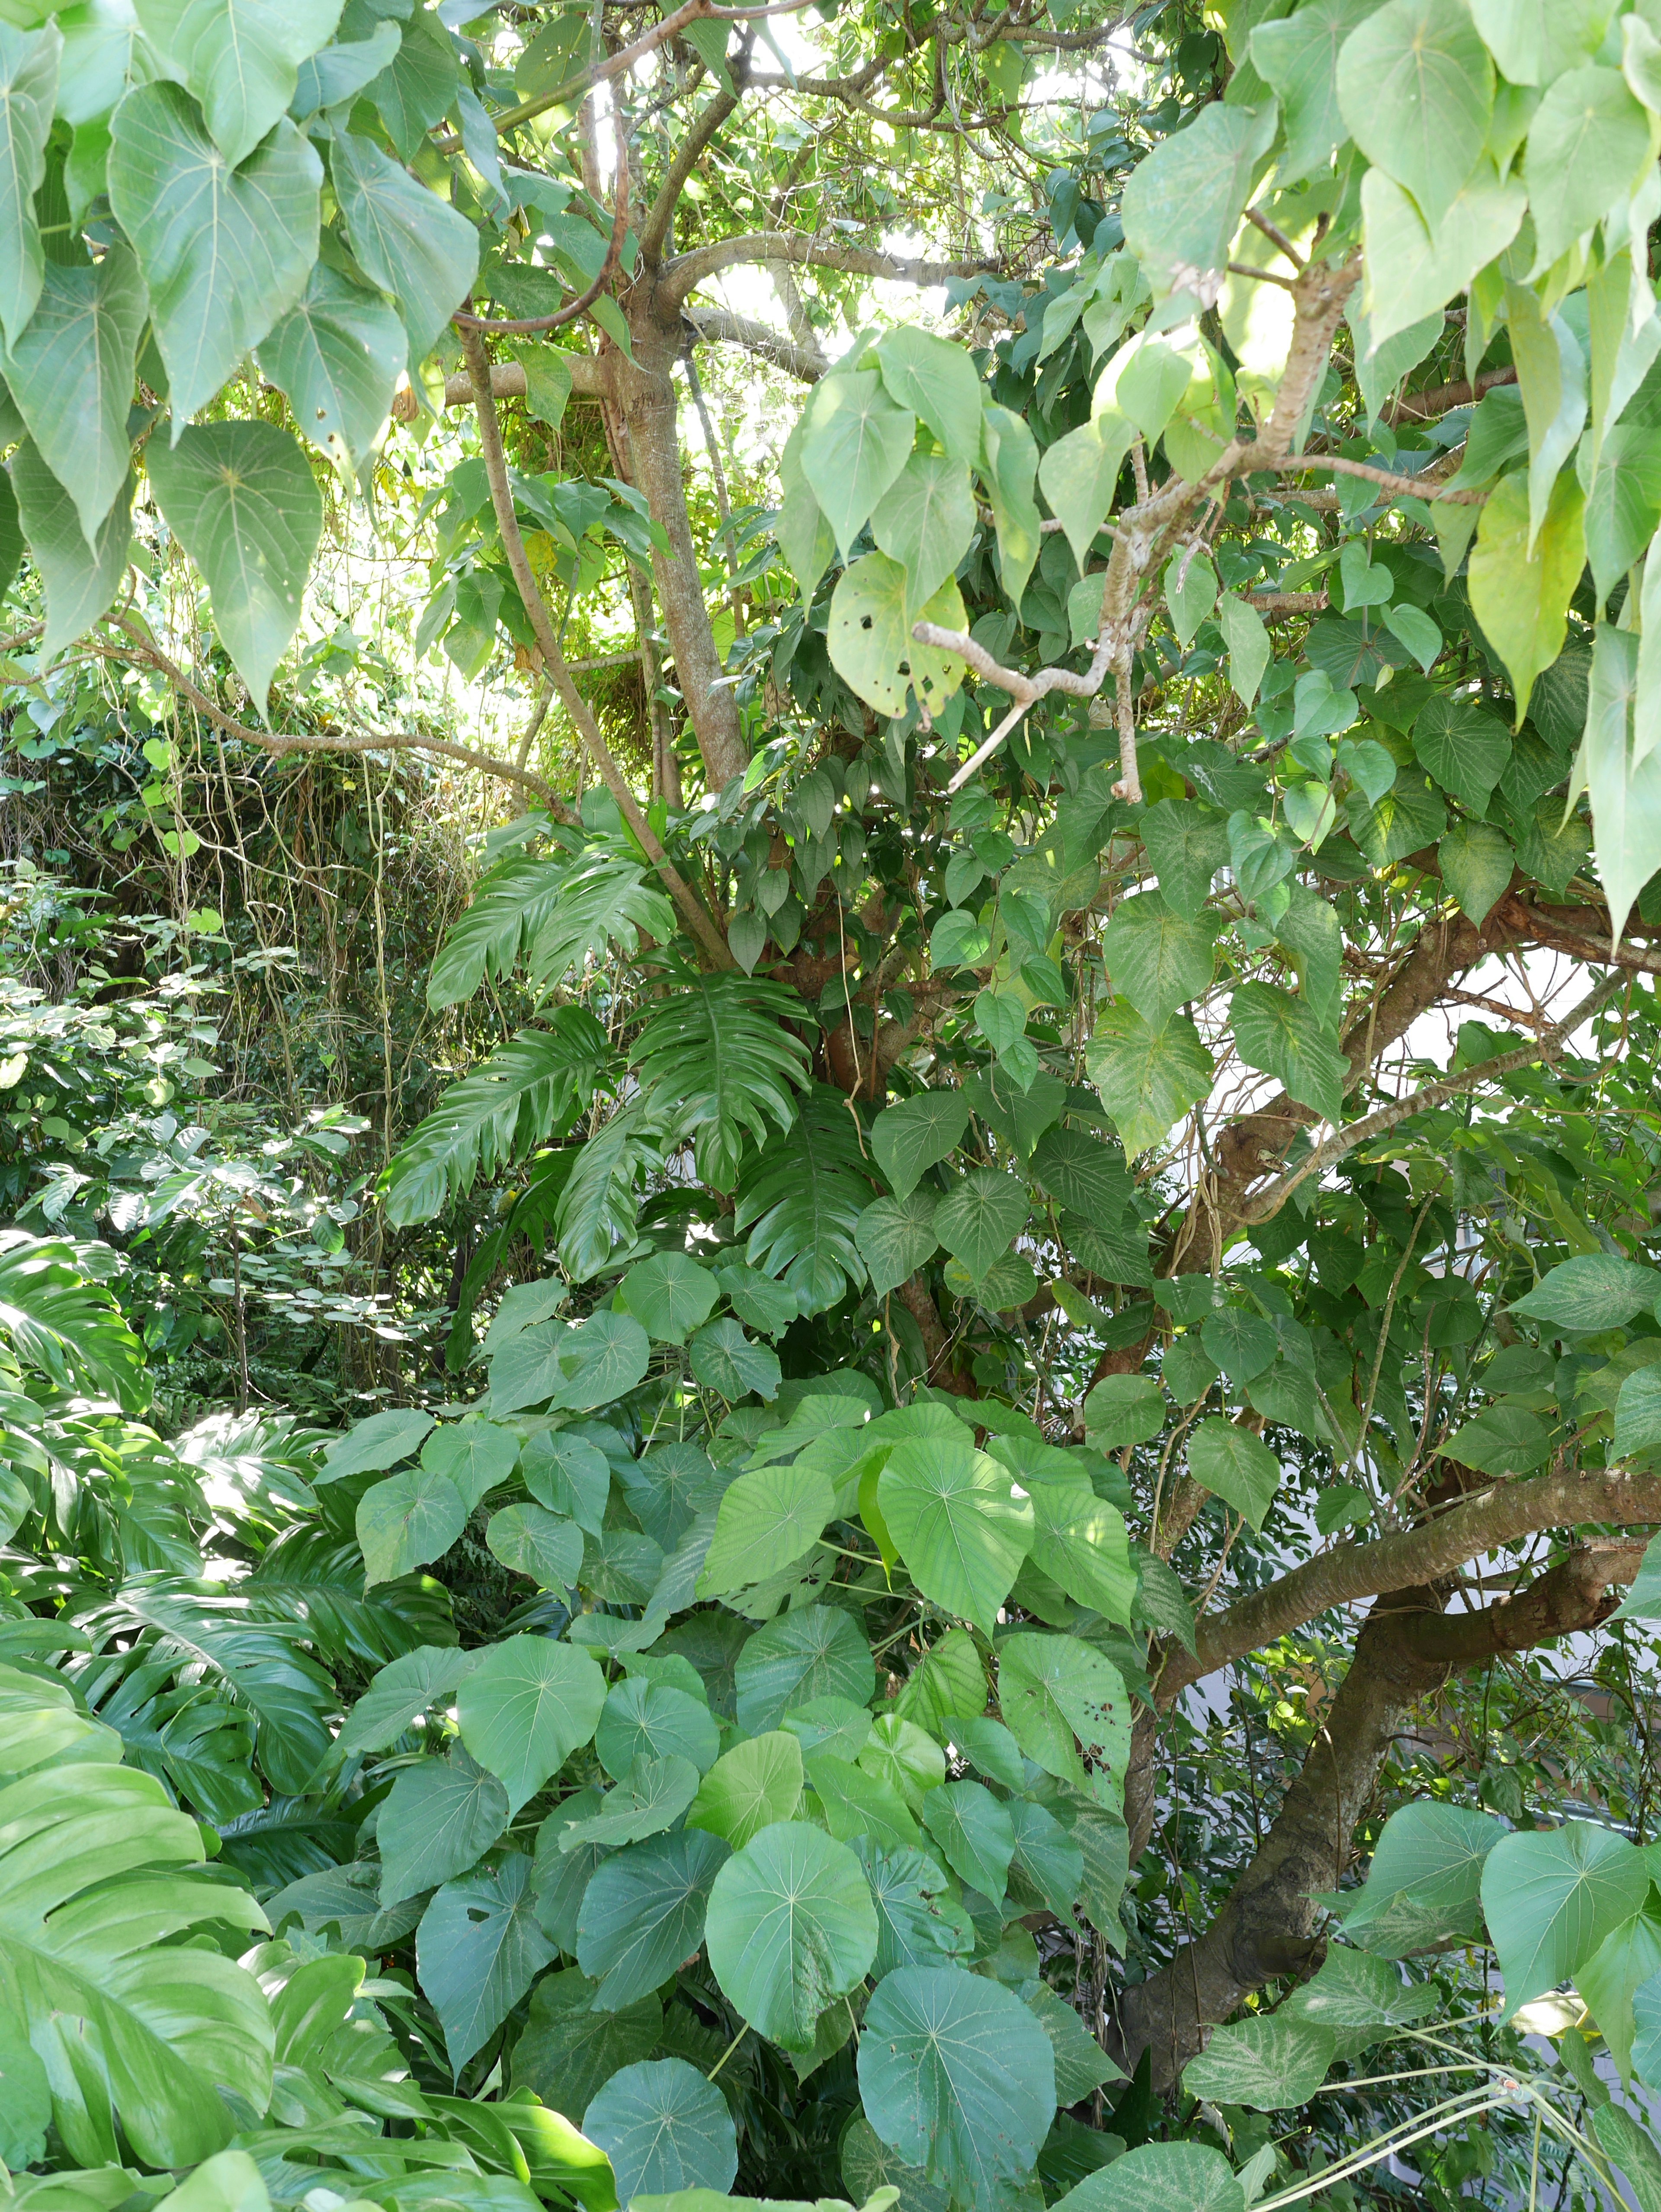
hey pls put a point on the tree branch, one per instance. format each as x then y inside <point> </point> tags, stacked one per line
<point>1443,398</point>
<point>688,905</point>
<point>687,270</point>
<point>689,152</point>
<point>715,324</point>
<point>1351,1572</point>
<point>620,63</point>
<point>589,380</point>
<point>1389,480</point>
<point>525,326</point>
<point>279,743</point>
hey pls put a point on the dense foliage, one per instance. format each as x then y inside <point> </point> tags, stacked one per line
<point>760,1471</point>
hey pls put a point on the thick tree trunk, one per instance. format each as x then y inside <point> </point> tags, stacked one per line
<point>1408,1648</point>
<point>647,392</point>
<point>1266,1928</point>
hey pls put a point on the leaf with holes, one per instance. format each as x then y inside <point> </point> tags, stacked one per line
<point>870,640</point>
<point>337,355</point>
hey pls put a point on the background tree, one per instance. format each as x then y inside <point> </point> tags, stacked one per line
<point>1068,1118</point>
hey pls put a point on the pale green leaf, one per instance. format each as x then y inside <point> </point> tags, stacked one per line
<point>80,585</point>
<point>225,251</point>
<point>527,1706</point>
<point>1235,1466</point>
<point>936,380</point>
<point>239,58</point>
<point>1551,1896</point>
<point>870,642</point>
<point>953,1514</point>
<point>406,239</point>
<point>338,355</point>
<point>1586,146</point>
<point>857,443</point>
<point>791,1927</point>
<point>1148,1077</point>
<point>28,92</point>
<point>924,521</point>
<point>663,2127</point>
<point>1415,86</point>
<point>72,374</point>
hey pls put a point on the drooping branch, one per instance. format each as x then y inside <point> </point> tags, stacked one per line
<point>526,326</point>
<point>688,905</point>
<point>583,81</point>
<point>138,647</point>
<point>1145,531</point>
<point>756,248</point>
<point>1351,1572</point>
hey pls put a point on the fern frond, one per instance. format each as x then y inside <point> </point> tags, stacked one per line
<point>605,899</point>
<point>800,1199</point>
<point>510,904</point>
<point>554,912</point>
<point>525,1093</point>
<point>718,1057</point>
<point>597,1208</point>
<point>63,1322</point>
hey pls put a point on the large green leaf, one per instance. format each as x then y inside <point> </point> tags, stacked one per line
<point>1167,2177</point>
<point>1521,599</point>
<point>72,374</point>
<point>918,1923</point>
<point>225,250</point>
<point>856,444</point>
<point>974,1834</point>
<point>1266,2063</point>
<point>242,500</point>
<point>525,1706</point>
<point>1593,1291</point>
<point>568,2049</point>
<point>1587,145</point>
<point>719,1052</point>
<point>955,1518</point>
<point>925,521</point>
<point>1183,202</point>
<point>1464,747</point>
<point>530,1540</point>
<point>577,1366</point>
<point>442,1814</point>
<point>791,1928</point>
<point>669,1294</point>
<point>896,1236</point>
<point>663,2127</point>
<point>768,1519</point>
<point>1284,1037</point>
<point>644,1718</point>
<point>406,239</point>
<point>1424,1881</point>
<point>749,1788</point>
<point>643,1912</point>
<point>477,1950</point>
<point>413,1684</point>
<point>28,91</point>
<point>1147,1077</point>
<point>1052,1690</point>
<point>956,2076</point>
<point>338,355</point>
<point>407,1520</point>
<point>870,640</point>
<point>1416,88</point>
<point>1156,959</point>
<point>1235,1466</point>
<point>935,379</point>
<point>917,1134</point>
<point>79,585</point>
<point>1298,57</point>
<point>96,1866</point>
<point>1552,1896</point>
<point>817,1651</point>
<point>238,58</point>
<point>980,1218</point>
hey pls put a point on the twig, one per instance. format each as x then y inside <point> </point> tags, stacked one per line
<point>1550,1042</point>
<point>524,325</point>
